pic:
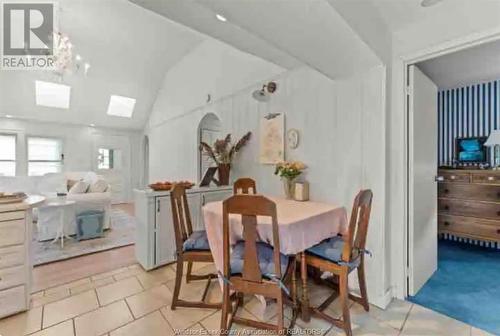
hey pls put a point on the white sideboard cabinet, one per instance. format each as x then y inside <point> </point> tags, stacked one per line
<point>155,240</point>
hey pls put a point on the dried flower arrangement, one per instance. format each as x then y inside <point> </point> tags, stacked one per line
<point>223,150</point>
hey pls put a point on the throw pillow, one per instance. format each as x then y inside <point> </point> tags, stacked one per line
<point>98,186</point>
<point>79,187</point>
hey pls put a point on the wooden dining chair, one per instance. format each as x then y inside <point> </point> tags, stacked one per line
<point>340,256</point>
<point>192,246</point>
<point>254,267</point>
<point>244,185</point>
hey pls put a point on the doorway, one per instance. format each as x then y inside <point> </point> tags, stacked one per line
<point>453,200</point>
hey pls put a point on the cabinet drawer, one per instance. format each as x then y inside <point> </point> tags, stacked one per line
<point>12,232</point>
<point>470,227</point>
<point>10,277</point>
<point>12,301</point>
<point>487,210</point>
<point>11,215</point>
<point>11,256</point>
<point>470,191</point>
<point>455,177</point>
<point>486,178</point>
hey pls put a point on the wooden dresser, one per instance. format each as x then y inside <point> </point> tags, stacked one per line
<point>469,203</point>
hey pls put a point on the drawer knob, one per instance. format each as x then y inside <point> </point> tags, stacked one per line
<point>491,178</point>
<point>447,191</point>
<point>452,177</point>
<point>498,231</point>
<point>446,207</point>
<point>446,223</point>
<point>498,213</point>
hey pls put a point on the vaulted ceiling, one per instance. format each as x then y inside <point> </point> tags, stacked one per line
<point>129,50</point>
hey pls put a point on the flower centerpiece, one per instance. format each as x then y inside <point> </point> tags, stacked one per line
<point>222,153</point>
<point>289,171</point>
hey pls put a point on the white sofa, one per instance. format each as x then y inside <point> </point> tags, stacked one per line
<point>51,184</point>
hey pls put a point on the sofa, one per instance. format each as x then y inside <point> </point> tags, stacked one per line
<point>49,185</point>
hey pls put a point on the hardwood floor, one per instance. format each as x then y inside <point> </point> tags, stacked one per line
<point>65,271</point>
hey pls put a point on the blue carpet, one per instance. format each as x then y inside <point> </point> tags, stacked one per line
<point>466,285</point>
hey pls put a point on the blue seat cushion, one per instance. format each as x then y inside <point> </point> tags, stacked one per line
<point>331,249</point>
<point>265,256</point>
<point>197,241</point>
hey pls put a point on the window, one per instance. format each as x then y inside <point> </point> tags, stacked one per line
<point>108,158</point>
<point>7,155</point>
<point>121,106</point>
<point>52,94</point>
<point>44,156</point>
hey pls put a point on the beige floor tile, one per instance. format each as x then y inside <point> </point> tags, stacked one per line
<point>22,324</point>
<point>67,286</point>
<point>108,274</point>
<point>130,272</point>
<point>197,266</point>
<point>394,315</point>
<point>103,320</point>
<point>46,299</point>
<point>479,332</point>
<point>62,329</point>
<point>91,285</point>
<point>193,291</point>
<point>68,308</point>
<point>182,318</point>
<point>264,312</point>
<point>37,295</point>
<point>212,322</point>
<point>151,325</point>
<point>118,290</point>
<point>156,277</point>
<point>146,302</point>
<point>422,322</point>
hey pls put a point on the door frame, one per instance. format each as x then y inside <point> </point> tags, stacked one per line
<point>400,234</point>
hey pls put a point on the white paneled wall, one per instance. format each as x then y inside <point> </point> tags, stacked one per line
<point>342,141</point>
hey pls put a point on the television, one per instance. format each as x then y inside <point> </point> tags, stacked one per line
<point>471,150</point>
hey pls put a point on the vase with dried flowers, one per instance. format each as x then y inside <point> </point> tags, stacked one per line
<point>223,152</point>
<point>289,171</point>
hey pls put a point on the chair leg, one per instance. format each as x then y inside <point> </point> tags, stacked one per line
<point>281,319</point>
<point>226,308</point>
<point>344,301</point>
<point>178,281</point>
<point>189,271</point>
<point>362,286</point>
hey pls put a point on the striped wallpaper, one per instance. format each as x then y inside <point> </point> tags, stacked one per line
<point>465,112</point>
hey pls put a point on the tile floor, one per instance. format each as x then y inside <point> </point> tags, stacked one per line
<point>130,302</point>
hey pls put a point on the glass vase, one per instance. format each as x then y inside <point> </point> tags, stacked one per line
<point>289,188</point>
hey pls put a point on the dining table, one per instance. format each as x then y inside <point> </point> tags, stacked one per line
<point>301,226</point>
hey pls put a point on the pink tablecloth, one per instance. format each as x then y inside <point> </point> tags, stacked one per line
<point>301,225</point>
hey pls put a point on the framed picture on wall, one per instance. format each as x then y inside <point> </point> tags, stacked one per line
<point>272,139</point>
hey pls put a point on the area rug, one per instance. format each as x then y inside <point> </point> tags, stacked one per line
<point>122,233</point>
<point>466,285</point>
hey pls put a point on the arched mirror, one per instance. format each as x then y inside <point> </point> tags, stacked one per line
<point>209,130</point>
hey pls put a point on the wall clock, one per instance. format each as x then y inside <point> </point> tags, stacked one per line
<point>292,138</point>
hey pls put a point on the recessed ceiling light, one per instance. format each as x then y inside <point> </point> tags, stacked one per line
<point>8,116</point>
<point>429,3</point>
<point>121,106</point>
<point>220,17</point>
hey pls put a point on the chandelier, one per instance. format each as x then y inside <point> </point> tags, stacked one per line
<point>64,61</point>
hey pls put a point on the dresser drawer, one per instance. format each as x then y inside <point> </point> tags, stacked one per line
<point>479,209</point>
<point>486,178</point>
<point>12,256</point>
<point>469,191</point>
<point>470,227</point>
<point>12,301</point>
<point>455,177</point>
<point>11,215</point>
<point>12,232</point>
<point>13,276</point>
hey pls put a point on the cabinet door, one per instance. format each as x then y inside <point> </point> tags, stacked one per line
<point>164,233</point>
<point>194,203</point>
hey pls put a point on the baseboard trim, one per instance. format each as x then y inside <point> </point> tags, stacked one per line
<point>384,300</point>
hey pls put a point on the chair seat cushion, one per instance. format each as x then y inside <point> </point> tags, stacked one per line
<point>196,242</point>
<point>265,256</point>
<point>331,249</point>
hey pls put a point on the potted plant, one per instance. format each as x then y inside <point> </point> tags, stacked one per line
<point>289,171</point>
<point>223,152</point>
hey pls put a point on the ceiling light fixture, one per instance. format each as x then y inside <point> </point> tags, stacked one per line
<point>220,17</point>
<point>8,116</point>
<point>429,3</point>
<point>92,125</point>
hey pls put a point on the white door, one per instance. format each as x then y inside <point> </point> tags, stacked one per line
<point>422,186</point>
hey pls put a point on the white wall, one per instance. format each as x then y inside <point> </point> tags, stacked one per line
<point>78,146</point>
<point>342,142</point>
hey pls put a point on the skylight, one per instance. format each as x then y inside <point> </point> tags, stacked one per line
<point>121,106</point>
<point>52,95</point>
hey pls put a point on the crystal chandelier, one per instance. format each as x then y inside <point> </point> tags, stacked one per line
<point>64,61</point>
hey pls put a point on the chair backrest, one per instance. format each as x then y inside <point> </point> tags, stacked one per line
<point>244,185</point>
<point>249,207</point>
<point>358,226</point>
<point>180,215</point>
